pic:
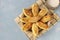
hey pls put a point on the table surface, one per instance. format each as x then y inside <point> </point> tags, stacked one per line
<point>9,30</point>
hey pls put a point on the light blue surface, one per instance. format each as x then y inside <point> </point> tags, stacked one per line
<point>9,30</point>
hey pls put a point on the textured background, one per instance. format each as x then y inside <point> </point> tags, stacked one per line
<point>9,30</point>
